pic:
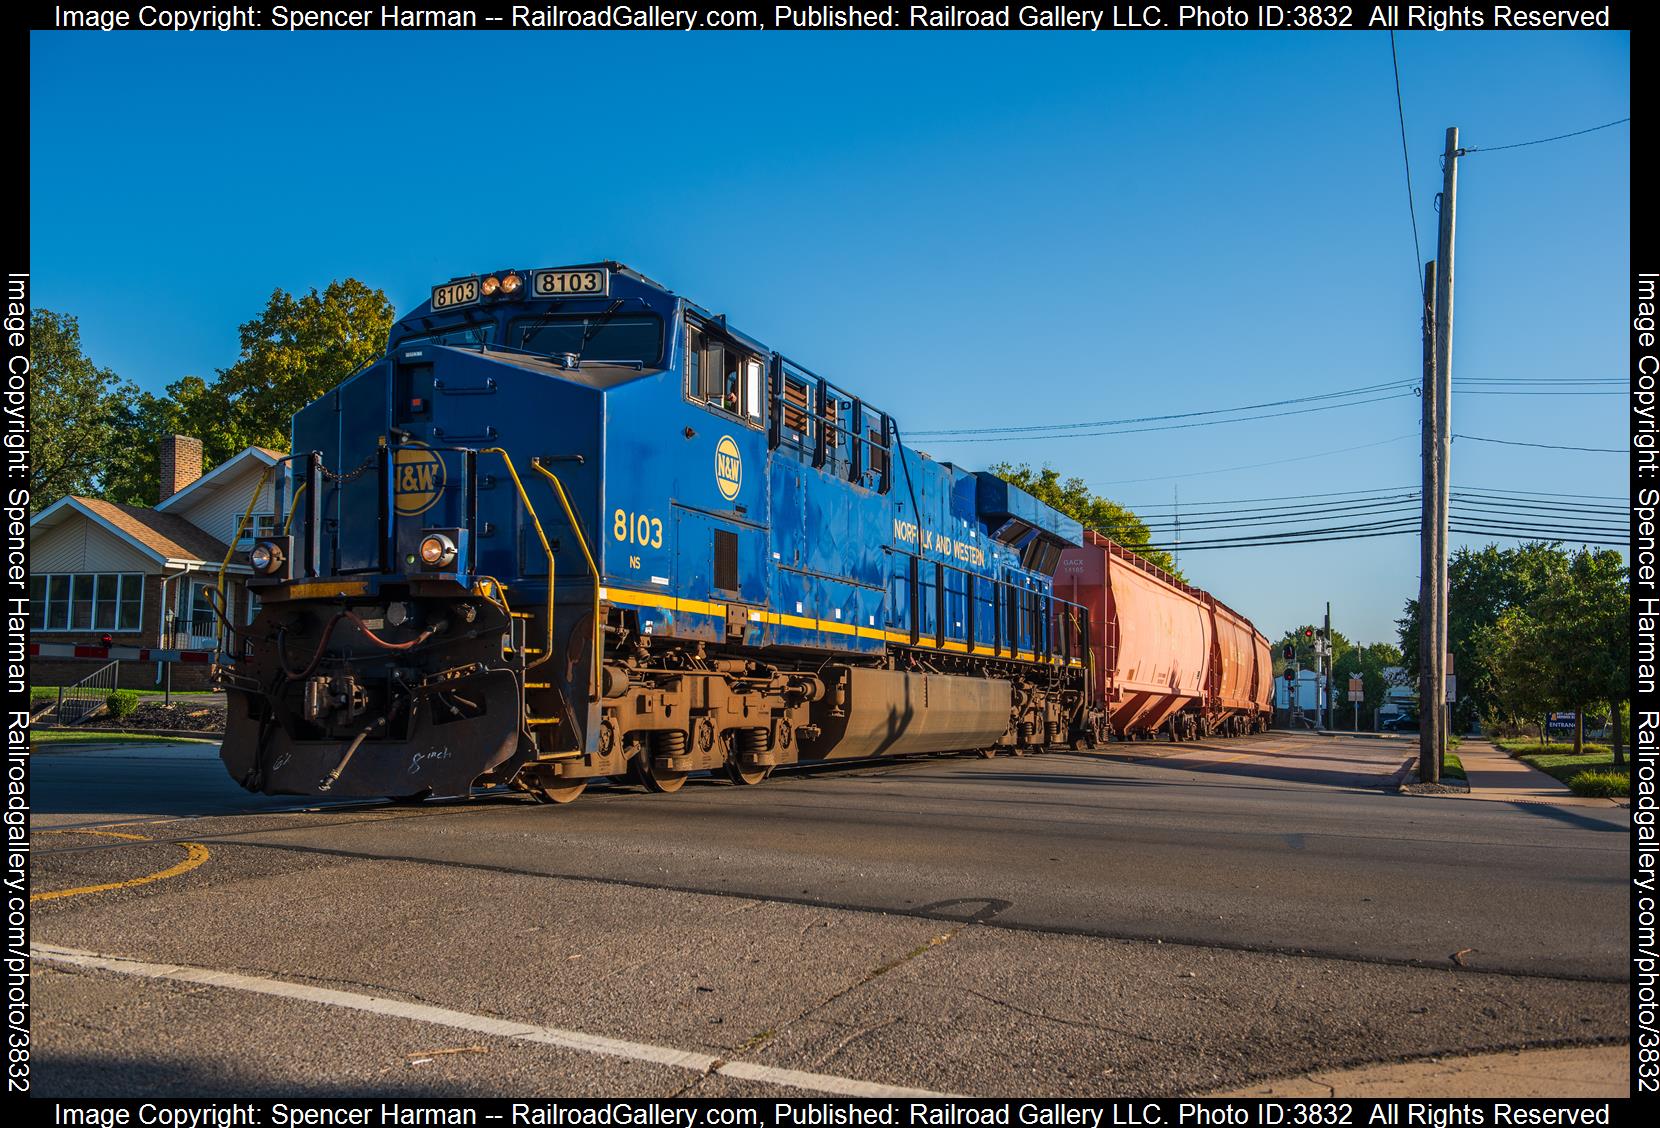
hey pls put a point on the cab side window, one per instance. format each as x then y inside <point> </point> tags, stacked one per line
<point>721,375</point>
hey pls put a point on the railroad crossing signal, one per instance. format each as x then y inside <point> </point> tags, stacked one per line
<point>1290,674</point>
<point>1290,652</point>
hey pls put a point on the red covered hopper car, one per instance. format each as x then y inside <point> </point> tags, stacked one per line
<point>1166,658</point>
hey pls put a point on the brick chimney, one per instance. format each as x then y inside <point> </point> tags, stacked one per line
<point>181,463</point>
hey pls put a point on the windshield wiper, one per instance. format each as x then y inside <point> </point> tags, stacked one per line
<point>589,331</point>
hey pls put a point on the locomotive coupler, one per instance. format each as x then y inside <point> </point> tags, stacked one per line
<point>339,697</point>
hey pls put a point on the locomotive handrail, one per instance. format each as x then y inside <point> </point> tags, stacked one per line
<point>582,543</point>
<point>293,507</point>
<point>547,647</point>
<point>222,636</point>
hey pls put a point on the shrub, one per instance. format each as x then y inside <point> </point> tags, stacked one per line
<point>1607,784</point>
<point>122,703</point>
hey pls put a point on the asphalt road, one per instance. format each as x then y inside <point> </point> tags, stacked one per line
<point>1162,919</point>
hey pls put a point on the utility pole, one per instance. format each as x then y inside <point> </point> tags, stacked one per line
<point>1443,421</point>
<point>1178,506</point>
<point>1429,762</point>
<point>1331,670</point>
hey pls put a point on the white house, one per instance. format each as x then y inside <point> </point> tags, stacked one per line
<point>144,577</point>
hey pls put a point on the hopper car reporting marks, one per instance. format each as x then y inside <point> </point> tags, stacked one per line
<point>572,526</point>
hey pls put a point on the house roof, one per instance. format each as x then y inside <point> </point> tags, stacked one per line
<point>165,537</point>
<point>221,474</point>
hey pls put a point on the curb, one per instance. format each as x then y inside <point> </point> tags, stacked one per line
<point>93,734</point>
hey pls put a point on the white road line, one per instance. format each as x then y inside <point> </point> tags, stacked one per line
<point>479,1024</point>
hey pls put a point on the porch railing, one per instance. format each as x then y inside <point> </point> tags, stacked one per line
<point>79,701</point>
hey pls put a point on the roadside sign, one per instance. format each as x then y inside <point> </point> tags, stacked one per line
<point>1560,721</point>
<point>1357,689</point>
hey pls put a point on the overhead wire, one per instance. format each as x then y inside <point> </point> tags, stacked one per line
<point>1254,465</point>
<point>1542,446</point>
<point>1411,204</point>
<point>1544,140</point>
<point>1058,427</point>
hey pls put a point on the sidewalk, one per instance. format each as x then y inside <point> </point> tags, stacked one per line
<point>1494,775</point>
<point>1584,1071</point>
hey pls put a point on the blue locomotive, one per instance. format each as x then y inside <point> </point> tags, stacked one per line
<point>573,526</point>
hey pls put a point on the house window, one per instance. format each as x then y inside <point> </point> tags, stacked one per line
<point>259,525</point>
<point>87,601</point>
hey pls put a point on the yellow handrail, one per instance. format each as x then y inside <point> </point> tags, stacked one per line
<point>547,649</point>
<point>293,507</point>
<point>593,569</point>
<point>224,619</point>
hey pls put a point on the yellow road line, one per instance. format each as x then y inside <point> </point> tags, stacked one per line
<point>196,854</point>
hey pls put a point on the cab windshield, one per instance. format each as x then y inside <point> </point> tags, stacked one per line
<point>463,336</point>
<point>596,338</point>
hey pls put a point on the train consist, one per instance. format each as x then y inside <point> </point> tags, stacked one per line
<point>572,526</point>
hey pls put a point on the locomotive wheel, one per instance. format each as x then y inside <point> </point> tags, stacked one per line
<point>745,777</point>
<point>653,778</point>
<point>563,793</point>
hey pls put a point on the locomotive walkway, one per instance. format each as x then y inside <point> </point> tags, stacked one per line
<point>1158,918</point>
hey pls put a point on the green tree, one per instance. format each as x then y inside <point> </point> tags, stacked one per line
<point>296,350</point>
<point>1519,688</point>
<point>74,412</point>
<point>1073,498</point>
<point>1482,584</point>
<point>1569,647</point>
<point>189,407</point>
<point>292,353</point>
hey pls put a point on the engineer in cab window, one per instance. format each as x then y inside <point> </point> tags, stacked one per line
<point>719,375</point>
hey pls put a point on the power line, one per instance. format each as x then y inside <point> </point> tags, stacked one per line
<point>1542,446</point>
<point>1284,497</point>
<point>1039,436</point>
<point>1411,206</point>
<point>1476,493</point>
<point>1537,539</point>
<point>1269,537</point>
<point>1254,465</point>
<point>1263,522</point>
<point>1534,503</point>
<point>1546,140</point>
<point>1543,493</point>
<point>1161,418</point>
<point>1330,536</point>
<point>1519,392</point>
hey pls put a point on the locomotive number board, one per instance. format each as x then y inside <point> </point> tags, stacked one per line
<point>451,294</point>
<point>571,283</point>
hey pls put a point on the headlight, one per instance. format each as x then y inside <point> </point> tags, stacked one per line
<point>265,557</point>
<point>510,283</point>
<point>490,285</point>
<point>437,550</point>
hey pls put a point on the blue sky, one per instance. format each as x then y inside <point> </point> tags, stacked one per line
<point>968,229</point>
